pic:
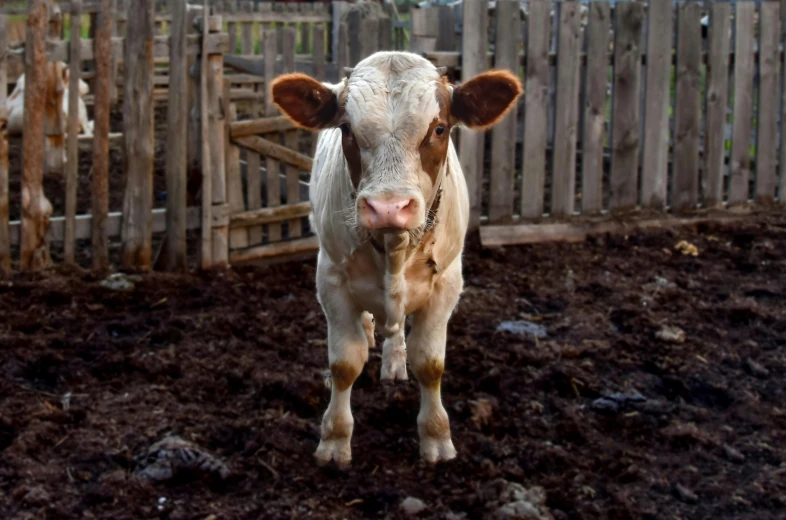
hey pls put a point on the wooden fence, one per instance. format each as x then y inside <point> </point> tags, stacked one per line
<point>618,121</point>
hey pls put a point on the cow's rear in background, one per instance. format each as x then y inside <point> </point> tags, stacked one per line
<point>390,208</point>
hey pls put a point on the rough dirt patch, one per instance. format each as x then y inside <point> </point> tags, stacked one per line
<point>232,363</point>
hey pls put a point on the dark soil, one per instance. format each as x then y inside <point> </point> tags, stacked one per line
<point>233,362</point>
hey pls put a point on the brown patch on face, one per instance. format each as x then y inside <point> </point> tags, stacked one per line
<point>434,147</point>
<point>437,426</point>
<point>485,99</point>
<point>429,374</point>
<point>344,374</point>
<point>352,153</point>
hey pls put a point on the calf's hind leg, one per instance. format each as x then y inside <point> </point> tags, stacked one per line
<point>347,353</point>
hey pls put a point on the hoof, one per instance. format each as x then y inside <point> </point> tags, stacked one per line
<point>437,450</point>
<point>336,450</point>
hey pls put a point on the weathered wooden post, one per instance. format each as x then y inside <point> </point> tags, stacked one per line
<point>174,255</point>
<point>5,238</point>
<point>137,228</point>
<point>103,58</point>
<point>216,114</point>
<point>72,166</point>
<point>36,208</point>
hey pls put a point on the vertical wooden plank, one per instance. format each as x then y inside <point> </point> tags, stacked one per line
<point>319,69</point>
<point>103,54</point>
<point>72,153</point>
<point>655,157</point>
<point>717,102</point>
<point>305,36</point>
<point>231,8</point>
<point>238,237</point>
<point>342,51</point>
<point>782,163</point>
<point>206,243</point>
<point>291,140</point>
<point>446,34</point>
<point>767,135</point>
<point>113,91</point>
<point>473,62</point>
<point>194,140</point>
<point>385,34</point>
<point>743,104</point>
<point>35,206</point>
<point>216,129</point>
<point>369,39</point>
<point>272,165</point>
<point>687,107</point>
<point>176,156</point>
<point>626,106</point>
<point>247,30</point>
<point>536,105</point>
<point>5,238</point>
<point>137,224</point>
<point>354,31</point>
<point>563,190</point>
<point>599,24</point>
<point>503,135</point>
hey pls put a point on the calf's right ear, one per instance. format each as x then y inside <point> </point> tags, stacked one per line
<point>307,102</point>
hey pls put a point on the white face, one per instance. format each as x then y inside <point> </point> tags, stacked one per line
<point>391,112</point>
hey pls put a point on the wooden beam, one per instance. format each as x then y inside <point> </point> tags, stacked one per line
<point>101,141</point>
<point>267,125</point>
<point>492,236</point>
<point>276,151</point>
<point>269,215</point>
<point>291,247</point>
<point>72,165</point>
<point>5,239</point>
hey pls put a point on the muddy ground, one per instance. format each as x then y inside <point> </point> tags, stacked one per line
<point>233,362</point>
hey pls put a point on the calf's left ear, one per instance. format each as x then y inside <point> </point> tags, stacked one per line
<point>485,99</point>
<point>306,101</point>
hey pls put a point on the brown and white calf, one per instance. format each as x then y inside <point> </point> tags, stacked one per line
<point>390,208</point>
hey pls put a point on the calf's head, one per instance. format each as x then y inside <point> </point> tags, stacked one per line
<point>395,113</point>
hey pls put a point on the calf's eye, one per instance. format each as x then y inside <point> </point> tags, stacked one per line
<point>345,129</point>
<point>439,130</point>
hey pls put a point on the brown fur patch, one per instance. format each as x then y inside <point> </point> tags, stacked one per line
<point>352,154</point>
<point>429,374</point>
<point>344,374</point>
<point>434,148</point>
<point>305,101</point>
<point>485,99</point>
<point>437,426</point>
<point>341,429</point>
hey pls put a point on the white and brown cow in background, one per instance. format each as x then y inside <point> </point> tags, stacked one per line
<point>390,208</point>
<point>56,98</point>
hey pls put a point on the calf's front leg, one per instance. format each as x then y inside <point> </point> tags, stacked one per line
<point>426,354</point>
<point>347,353</point>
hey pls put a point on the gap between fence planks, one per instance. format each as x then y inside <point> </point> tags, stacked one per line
<point>739,174</point>
<point>72,148</point>
<point>687,108</point>
<point>138,136</point>
<point>563,190</point>
<point>5,238</point>
<point>717,103</point>
<point>533,158</point>
<point>655,158</point>
<point>36,208</point>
